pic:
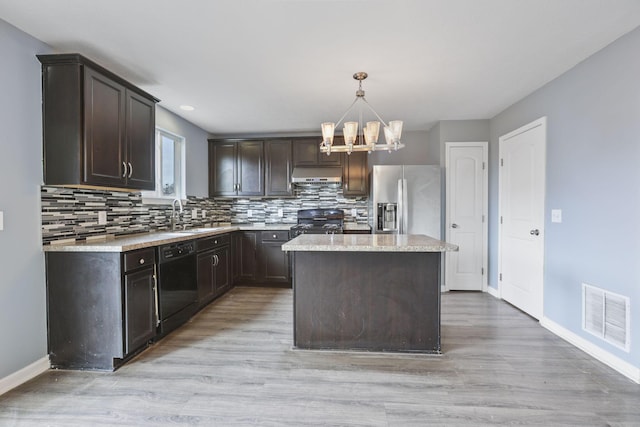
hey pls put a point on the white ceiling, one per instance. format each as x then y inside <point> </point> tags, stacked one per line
<point>274,66</point>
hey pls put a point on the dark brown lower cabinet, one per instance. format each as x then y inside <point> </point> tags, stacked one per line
<point>139,308</point>
<point>101,307</point>
<point>246,256</point>
<point>357,231</point>
<point>259,259</point>
<point>273,262</point>
<point>214,277</point>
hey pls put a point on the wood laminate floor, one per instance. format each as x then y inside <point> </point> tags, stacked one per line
<point>233,365</point>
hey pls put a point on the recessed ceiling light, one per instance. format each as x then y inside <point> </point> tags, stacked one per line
<point>187,107</point>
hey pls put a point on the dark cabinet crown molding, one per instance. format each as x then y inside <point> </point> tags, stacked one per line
<point>76,58</point>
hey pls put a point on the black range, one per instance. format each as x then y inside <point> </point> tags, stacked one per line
<point>318,221</point>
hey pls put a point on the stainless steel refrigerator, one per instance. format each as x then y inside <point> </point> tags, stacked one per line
<point>406,199</point>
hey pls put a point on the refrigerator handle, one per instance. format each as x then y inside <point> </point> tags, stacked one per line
<point>402,206</point>
<point>405,207</point>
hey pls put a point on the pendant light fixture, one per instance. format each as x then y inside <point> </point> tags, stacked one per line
<point>357,137</point>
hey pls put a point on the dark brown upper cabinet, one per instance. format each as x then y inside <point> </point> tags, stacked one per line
<point>98,128</point>
<point>279,165</point>
<point>355,172</point>
<point>306,152</point>
<point>236,168</point>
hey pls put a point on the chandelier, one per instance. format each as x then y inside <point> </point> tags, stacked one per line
<point>367,138</point>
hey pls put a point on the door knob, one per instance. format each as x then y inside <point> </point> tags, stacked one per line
<point>454,225</point>
<point>534,232</point>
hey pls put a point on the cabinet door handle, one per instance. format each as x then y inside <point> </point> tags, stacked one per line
<point>130,170</point>
<point>155,295</point>
<point>217,260</point>
<point>124,168</point>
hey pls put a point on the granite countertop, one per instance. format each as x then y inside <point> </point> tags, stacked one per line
<point>367,243</point>
<point>146,240</point>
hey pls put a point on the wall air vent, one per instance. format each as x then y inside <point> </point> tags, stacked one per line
<point>606,315</point>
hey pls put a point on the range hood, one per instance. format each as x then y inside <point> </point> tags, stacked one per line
<point>316,175</point>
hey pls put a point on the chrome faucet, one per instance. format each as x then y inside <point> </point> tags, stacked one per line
<point>175,216</point>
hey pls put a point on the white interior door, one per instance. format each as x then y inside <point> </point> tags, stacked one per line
<point>522,192</point>
<point>466,212</point>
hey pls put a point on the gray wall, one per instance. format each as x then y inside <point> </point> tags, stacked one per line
<point>593,175</point>
<point>461,131</point>
<point>453,131</point>
<point>196,147</point>
<point>415,152</point>
<point>23,333</point>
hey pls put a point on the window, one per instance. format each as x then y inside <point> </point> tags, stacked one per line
<point>170,168</point>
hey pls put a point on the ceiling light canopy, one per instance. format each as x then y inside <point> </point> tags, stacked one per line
<point>367,138</point>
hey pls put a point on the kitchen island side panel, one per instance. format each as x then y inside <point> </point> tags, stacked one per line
<point>375,301</point>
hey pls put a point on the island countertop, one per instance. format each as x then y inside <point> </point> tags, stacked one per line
<point>367,243</point>
<point>145,240</point>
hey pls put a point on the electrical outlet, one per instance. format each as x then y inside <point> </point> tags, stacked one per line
<point>204,214</point>
<point>102,218</point>
<point>194,213</point>
<point>556,215</point>
<point>354,212</point>
<point>249,213</point>
<point>1,220</point>
<point>280,212</point>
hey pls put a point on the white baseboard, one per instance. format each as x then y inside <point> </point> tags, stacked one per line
<point>493,292</point>
<point>25,374</point>
<point>614,362</point>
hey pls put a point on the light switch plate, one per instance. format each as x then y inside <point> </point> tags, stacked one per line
<point>556,215</point>
<point>204,214</point>
<point>1,220</point>
<point>249,213</point>
<point>354,212</point>
<point>194,213</point>
<point>102,218</point>
<point>280,212</point>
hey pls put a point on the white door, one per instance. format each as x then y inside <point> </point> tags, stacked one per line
<point>466,213</point>
<point>522,192</point>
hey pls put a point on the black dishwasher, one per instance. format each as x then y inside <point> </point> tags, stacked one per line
<point>177,285</point>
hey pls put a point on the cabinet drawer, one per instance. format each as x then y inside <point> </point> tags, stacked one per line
<point>212,242</point>
<point>139,258</point>
<point>358,231</point>
<point>279,235</point>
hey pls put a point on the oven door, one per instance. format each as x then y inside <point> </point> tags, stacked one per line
<point>177,291</point>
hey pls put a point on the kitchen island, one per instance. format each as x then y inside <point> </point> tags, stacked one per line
<point>378,292</point>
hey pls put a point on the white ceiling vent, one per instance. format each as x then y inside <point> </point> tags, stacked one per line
<point>606,315</point>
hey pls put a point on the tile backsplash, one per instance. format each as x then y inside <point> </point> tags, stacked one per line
<point>71,213</point>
